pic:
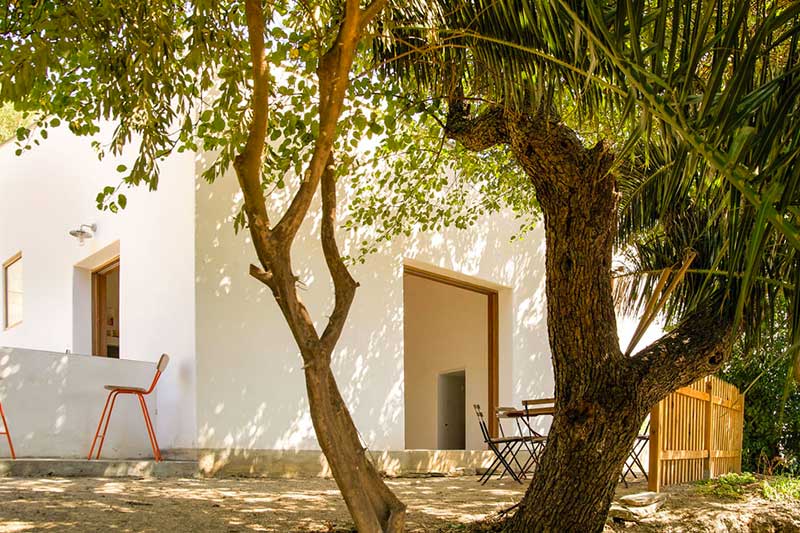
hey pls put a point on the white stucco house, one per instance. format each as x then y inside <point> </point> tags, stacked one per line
<point>440,322</point>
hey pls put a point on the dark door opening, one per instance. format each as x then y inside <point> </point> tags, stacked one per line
<point>452,392</point>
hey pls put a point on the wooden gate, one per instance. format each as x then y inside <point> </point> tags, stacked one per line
<point>696,433</point>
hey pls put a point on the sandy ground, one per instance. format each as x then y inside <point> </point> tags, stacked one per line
<point>81,504</point>
<point>85,504</point>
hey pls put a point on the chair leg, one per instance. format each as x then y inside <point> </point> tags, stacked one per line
<point>514,451</point>
<point>500,458</point>
<point>534,449</point>
<point>503,456</point>
<point>7,432</point>
<point>99,425</point>
<point>151,432</point>
<point>114,395</point>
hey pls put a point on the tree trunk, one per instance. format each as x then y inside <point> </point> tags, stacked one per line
<point>601,395</point>
<point>373,507</point>
<point>597,410</point>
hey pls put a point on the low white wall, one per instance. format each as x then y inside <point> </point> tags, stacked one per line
<point>53,401</point>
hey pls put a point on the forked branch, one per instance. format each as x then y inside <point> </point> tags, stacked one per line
<point>344,285</point>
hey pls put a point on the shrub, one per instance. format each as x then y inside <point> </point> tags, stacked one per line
<point>770,445</point>
<point>781,488</point>
<point>727,485</point>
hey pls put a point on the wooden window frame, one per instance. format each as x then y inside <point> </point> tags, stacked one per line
<point>494,328</point>
<point>6,265</point>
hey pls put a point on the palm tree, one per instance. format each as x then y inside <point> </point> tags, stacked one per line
<point>652,128</point>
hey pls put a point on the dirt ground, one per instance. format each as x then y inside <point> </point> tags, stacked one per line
<point>231,505</point>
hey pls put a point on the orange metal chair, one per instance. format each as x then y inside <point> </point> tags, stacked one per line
<point>116,390</point>
<point>6,433</point>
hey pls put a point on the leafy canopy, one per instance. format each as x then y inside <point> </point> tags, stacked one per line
<point>699,98</point>
<point>173,77</point>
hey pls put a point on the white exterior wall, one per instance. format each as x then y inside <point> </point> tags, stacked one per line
<point>50,190</point>
<point>235,379</point>
<point>69,399</point>
<point>251,392</point>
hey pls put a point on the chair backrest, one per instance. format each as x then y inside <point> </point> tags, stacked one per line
<point>163,361</point>
<point>501,414</point>
<point>482,423</point>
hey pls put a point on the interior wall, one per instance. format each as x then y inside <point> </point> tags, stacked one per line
<point>446,328</point>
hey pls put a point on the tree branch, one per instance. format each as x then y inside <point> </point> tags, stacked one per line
<point>696,348</point>
<point>478,133</point>
<point>370,12</point>
<point>344,285</point>
<point>248,163</point>
<point>333,74</point>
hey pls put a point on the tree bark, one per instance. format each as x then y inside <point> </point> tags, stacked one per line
<point>373,507</point>
<point>602,396</point>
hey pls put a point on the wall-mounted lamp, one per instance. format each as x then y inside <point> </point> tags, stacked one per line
<point>85,231</point>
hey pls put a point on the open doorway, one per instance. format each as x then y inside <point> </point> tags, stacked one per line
<point>105,310</point>
<point>450,360</point>
<point>452,409</point>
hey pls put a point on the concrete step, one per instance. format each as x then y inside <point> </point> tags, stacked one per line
<point>96,468</point>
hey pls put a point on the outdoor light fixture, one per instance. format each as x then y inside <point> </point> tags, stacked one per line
<point>82,233</point>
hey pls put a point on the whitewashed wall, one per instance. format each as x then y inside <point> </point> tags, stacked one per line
<point>251,392</point>
<point>235,381</point>
<point>51,190</point>
<point>53,402</point>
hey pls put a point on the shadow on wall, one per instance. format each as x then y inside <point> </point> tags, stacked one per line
<point>250,388</point>
<point>53,402</point>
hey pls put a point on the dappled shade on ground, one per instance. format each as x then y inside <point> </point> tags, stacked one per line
<point>314,505</point>
<point>80,504</point>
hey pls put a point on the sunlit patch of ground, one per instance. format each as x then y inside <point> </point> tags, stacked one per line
<point>229,505</point>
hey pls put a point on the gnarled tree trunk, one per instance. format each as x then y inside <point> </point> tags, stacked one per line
<point>601,395</point>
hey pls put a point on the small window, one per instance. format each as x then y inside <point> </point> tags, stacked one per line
<point>12,283</point>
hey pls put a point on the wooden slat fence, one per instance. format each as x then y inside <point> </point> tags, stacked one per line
<point>696,433</point>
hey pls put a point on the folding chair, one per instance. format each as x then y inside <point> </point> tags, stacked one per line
<point>635,456</point>
<point>505,450</point>
<point>6,432</point>
<point>116,390</point>
<point>537,441</point>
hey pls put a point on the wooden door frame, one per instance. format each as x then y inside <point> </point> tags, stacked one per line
<point>493,327</point>
<point>99,346</point>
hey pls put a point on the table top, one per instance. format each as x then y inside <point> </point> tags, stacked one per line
<point>533,411</point>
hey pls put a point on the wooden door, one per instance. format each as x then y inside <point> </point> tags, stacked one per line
<point>105,310</point>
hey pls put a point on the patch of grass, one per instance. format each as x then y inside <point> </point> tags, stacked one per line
<point>781,488</point>
<point>730,486</point>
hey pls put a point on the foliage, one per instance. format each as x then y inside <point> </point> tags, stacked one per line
<point>771,437</point>
<point>781,488</point>
<point>699,99</point>
<point>10,120</point>
<point>736,486</point>
<point>731,485</point>
<point>176,80</point>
